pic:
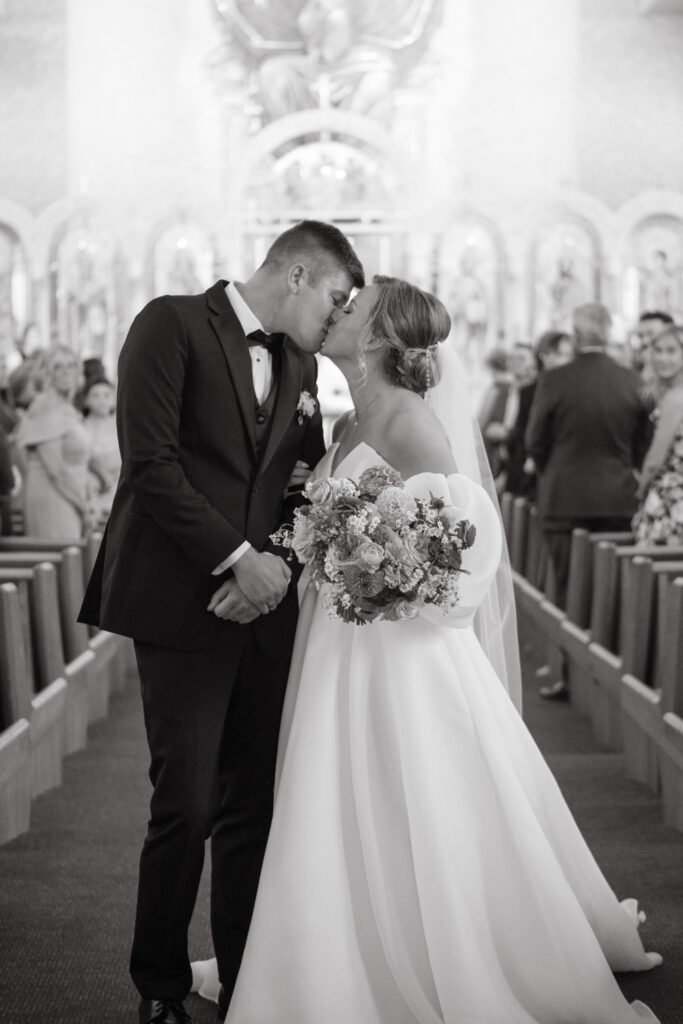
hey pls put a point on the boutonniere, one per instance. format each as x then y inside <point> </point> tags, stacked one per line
<point>306,407</point>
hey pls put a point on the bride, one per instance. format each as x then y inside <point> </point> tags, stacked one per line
<point>422,866</point>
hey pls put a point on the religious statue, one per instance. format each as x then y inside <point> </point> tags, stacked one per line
<point>342,54</point>
<point>659,285</point>
<point>468,306</point>
<point>565,294</point>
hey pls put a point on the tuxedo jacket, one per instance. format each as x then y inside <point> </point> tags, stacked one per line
<point>588,431</point>
<point>193,485</point>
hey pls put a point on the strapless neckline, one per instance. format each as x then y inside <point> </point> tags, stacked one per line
<point>334,448</point>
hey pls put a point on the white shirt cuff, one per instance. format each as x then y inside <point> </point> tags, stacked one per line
<point>231,559</point>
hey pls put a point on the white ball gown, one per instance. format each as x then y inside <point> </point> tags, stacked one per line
<point>422,866</point>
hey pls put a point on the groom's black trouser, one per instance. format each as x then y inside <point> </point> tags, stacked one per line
<point>212,719</point>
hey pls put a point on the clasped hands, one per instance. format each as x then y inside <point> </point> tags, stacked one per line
<point>258,584</point>
<point>260,581</point>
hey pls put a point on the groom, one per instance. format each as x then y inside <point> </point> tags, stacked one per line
<point>214,411</point>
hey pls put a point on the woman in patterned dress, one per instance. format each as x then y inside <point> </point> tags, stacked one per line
<point>659,519</point>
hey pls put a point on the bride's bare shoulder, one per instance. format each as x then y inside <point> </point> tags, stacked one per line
<point>415,441</point>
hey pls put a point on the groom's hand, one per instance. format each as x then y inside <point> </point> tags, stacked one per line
<point>262,578</point>
<point>229,602</point>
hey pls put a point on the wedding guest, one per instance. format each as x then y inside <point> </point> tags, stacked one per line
<point>7,482</point>
<point>553,348</point>
<point>93,370</point>
<point>24,383</point>
<point>650,324</point>
<point>30,341</point>
<point>588,433</point>
<point>99,402</point>
<point>659,519</point>
<point>55,448</point>
<point>522,371</point>
<point>493,405</point>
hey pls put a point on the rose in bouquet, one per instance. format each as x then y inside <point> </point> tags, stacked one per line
<point>379,551</point>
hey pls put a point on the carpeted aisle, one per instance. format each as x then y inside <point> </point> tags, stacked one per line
<point>68,886</point>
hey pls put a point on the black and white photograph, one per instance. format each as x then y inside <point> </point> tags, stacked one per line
<point>341,512</point>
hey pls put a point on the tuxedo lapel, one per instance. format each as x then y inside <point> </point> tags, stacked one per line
<point>236,352</point>
<point>289,390</point>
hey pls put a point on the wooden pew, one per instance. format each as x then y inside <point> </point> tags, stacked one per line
<point>44,706</point>
<point>592,654</point>
<point>84,702</point>
<point>115,658</point>
<point>645,647</point>
<point>544,620</point>
<point>23,545</point>
<point>506,503</point>
<point>519,535</point>
<point>78,653</point>
<point>671,749</point>
<point>15,780</point>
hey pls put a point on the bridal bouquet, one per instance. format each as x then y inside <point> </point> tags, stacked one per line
<point>381,552</point>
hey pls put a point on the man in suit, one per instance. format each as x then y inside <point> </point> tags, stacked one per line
<point>553,348</point>
<point>588,433</point>
<point>216,409</point>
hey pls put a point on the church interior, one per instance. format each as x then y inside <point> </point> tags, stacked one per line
<point>517,160</point>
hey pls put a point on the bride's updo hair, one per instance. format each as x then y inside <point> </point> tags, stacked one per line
<point>410,323</point>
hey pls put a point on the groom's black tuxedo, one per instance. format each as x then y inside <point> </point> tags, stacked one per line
<point>194,485</point>
<point>204,469</point>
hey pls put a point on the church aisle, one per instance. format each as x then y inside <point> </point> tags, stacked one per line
<point>68,886</point>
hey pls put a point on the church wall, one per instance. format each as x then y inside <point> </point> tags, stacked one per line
<point>33,102</point>
<point>630,100</point>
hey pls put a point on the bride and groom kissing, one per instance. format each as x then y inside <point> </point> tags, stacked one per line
<point>421,865</point>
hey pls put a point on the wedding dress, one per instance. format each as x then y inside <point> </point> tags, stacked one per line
<point>422,866</point>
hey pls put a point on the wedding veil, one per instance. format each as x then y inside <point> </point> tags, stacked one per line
<point>495,622</point>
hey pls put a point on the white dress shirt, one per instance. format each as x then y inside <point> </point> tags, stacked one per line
<point>262,373</point>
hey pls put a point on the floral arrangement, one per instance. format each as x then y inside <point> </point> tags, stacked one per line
<point>381,552</point>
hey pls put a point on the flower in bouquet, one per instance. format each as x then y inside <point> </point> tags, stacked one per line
<point>378,551</point>
<point>373,480</point>
<point>396,506</point>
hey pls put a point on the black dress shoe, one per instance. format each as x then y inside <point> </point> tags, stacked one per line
<point>558,691</point>
<point>223,1002</point>
<point>163,1011</point>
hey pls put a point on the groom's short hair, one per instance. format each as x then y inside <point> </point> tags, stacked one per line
<point>321,247</point>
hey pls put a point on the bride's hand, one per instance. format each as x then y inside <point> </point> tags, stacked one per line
<point>228,602</point>
<point>300,475</point>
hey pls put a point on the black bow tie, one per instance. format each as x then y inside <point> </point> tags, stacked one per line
<point>269,341</point>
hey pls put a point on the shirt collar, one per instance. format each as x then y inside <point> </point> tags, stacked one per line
<point>248,320</point>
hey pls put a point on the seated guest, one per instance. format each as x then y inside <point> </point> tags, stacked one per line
<point>55,448</point>
<point>659,519</point>
<point>553,348</point>
<point>105,459</point>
